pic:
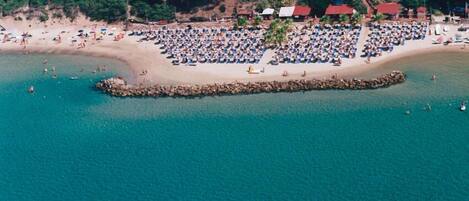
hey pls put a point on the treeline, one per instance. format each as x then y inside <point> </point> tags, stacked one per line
<point>109,10</point>
<point>154,10</point>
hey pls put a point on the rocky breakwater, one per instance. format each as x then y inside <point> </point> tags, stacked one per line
<point>118,87</point>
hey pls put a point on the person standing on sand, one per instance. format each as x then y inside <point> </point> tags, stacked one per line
<point>23,42</point>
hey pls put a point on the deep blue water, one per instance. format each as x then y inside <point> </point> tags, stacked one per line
<point>69,142</point>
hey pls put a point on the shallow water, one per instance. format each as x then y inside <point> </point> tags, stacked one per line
<point>69,142</point>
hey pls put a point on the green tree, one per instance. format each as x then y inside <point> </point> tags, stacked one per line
<point>325,19</point>
<point>288,23</point>
<point>344,19</point>
<point>358,5</point>
<point>222,8</point>
<point>257,21</point>
<point>110,10</point>
<point>261,5</point>
<point>242,22</point>
<point>378,17</point>
<point>412,3</point>
<point>162,12</point>
<point>153,12</point>
<point>356,18</point>
<point>277,33</point>
<point>319,6</point>
<point>142,10</point>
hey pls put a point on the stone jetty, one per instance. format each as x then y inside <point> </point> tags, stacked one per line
<point>118,87</point>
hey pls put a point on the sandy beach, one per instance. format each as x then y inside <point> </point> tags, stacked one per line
<point>145,56</point>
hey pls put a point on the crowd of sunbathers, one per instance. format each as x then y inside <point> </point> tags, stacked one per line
<point>209,45</point>
<point>324,44</point>
<point>384,37</point>
<point>305,44</point>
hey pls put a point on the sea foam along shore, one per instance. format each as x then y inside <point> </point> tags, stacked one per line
<point>119,87</point>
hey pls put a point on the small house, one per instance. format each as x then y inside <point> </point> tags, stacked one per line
<point>422,13</point>
<point>268,13</point>
<point>392,10</point>
<point>286,12</point>
<point>248,14</point>
<point>301,13</point>
<point>336,10</point>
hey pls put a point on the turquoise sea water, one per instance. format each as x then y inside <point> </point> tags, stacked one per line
<point>70,142</point>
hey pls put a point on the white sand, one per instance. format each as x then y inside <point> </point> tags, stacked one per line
<point>146,56</point>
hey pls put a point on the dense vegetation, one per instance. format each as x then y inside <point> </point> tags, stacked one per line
<point>109,10</point>
<point>154,10</point>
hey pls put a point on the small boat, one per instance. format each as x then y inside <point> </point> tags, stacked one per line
<point>45,70</point>
<point>433,77</point>
<point>428,107</point>
<point>463,107</point>
<point>31,89</point>
<point>73,78</point>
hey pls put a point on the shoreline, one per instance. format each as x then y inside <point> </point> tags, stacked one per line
<point>391,58</point>
<point>346,72</point>
<point>145,56</point>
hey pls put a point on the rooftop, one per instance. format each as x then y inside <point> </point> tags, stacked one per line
<point>339,9</point>
<point>286,11</point>
<point>302,11</point>
<point>421,9</point>
<point>389,8</point>
<point>245,12</point>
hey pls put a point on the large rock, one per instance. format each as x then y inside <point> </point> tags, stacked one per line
<point>119,87</point>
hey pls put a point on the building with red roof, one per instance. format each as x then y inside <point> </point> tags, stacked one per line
<point>421,12</point>
<point>301,11</point>
<point>392,9</point>
<point>340,10</point>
